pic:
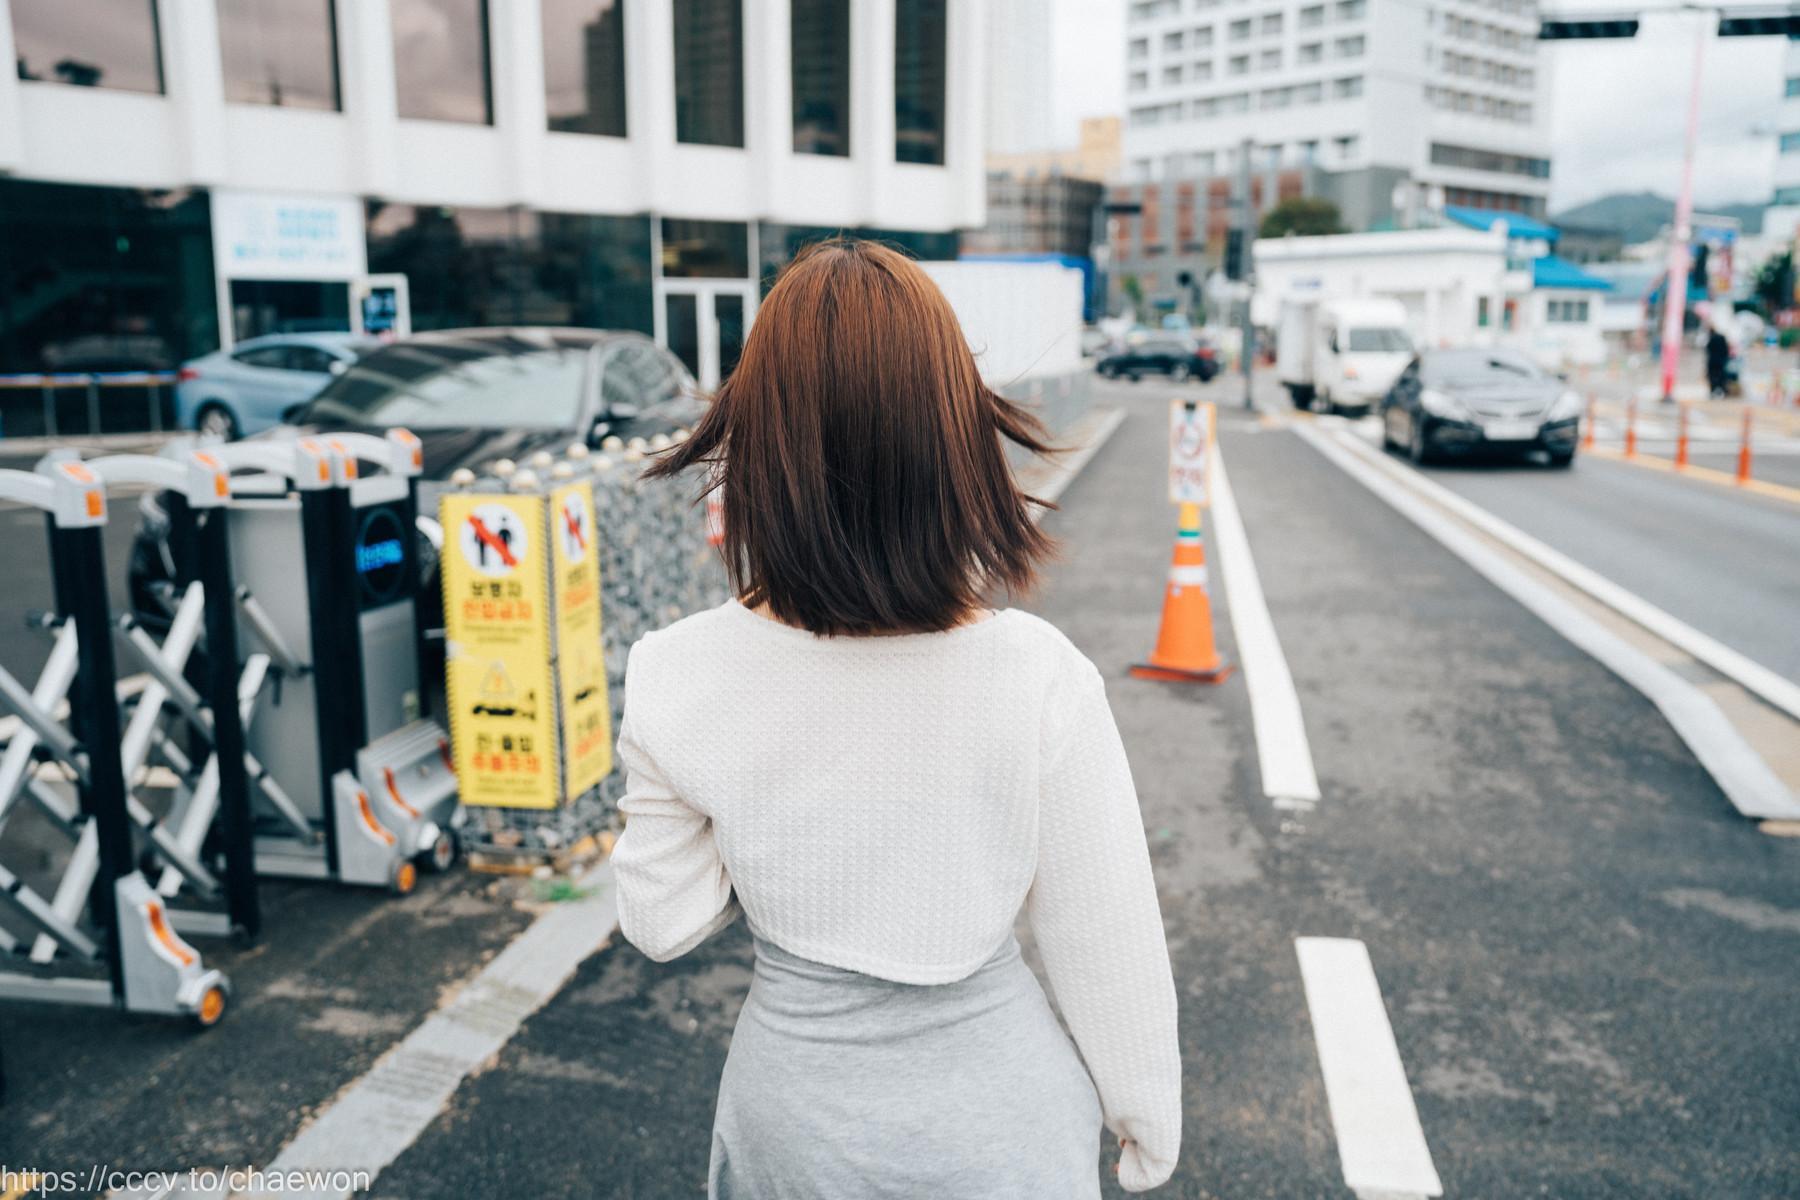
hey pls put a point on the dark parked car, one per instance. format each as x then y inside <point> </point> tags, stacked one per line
<point>472,396</point>
<point>1174,357</point>
<point>1467,402</point>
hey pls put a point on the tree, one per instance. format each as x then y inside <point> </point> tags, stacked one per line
<point>1303,216</point>
<point>1775,284</point>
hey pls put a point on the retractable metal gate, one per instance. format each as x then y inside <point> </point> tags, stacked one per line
<point>104,936</point>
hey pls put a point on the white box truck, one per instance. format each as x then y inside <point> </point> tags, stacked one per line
<point>1340,355</point>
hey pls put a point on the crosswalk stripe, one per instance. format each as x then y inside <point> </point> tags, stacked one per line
<point>1379,1139</point>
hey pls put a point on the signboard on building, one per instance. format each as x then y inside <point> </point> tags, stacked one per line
<point>503,722</point>
<point>268,235</point>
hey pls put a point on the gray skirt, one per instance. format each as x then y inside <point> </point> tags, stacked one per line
<point>843,1085</point>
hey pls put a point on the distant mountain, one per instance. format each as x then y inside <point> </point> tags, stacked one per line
<point>1640,216</point>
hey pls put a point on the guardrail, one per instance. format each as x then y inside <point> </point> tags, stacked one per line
<point>73,404</point>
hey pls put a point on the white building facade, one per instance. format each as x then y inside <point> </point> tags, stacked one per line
<point>1459,286</point>
<point>1446,94</point>
<point>627,163</point>
<point>1782,219</point>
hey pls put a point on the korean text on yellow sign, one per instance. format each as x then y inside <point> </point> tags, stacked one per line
<point>580,661</point>
<point>496,624</point>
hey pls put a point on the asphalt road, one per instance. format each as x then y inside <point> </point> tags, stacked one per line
<point>1724,561</point>
<point>1587,958</point>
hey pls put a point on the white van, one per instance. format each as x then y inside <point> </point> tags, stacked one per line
<point>1335,355</point>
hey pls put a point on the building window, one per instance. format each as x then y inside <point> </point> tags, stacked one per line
<point>1787,196</point>
<point>1269,60</point>
<point>1347,89</point>
<point>1202,72</point>
<point>1348,147</point>
<point>1310,93</point>
<point>1271,24</point>
<point>919,31</point>
<point>705,249</point>
<point>1313,17</point>
<point>1567,312</point>
<point>1349,47</point>
<point>1138,48</point>
<point>1172,41</point>
<point>89,43</point>
<point>1790,143</point>
<point>819,33</point>
<point>1793,86</point>
<point>709,72</point>
<point>441,68</point>
<point>1137,81</point>
<point>1239,30</point>
<point>584,66</point>
<point>1238,65</point>
<point>279,52</point>
<point>1203,37</point>
<point>1351,10</point>
<point>1172,74</point>
<point>1312,52</point>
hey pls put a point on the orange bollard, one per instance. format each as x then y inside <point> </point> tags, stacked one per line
<point>1185,651</point>
<point>1587,431</point>
<point>1743,471</point>
<point>1681,437</point>
<point>1631,428</point>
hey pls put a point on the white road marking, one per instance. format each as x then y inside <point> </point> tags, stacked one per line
<point>1754,789</point>
<point>1282,751</point>
<point>1748,674</point>
<point>1379,1139</point>
<point>373,1121</point>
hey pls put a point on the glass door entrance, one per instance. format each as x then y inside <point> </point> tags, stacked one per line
<point>704,324</point>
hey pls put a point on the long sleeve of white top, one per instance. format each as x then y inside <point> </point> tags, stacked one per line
<point>1094,912</point>
<point>674,891</point>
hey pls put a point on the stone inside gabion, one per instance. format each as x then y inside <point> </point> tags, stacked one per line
<point>655,568</point>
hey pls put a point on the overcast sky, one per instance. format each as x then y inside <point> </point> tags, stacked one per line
<point>1619,107</point>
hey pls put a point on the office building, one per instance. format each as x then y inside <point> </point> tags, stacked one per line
<point>176,176</point>
<point>1782,220</point>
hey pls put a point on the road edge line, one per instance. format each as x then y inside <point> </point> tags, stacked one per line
<point>1068,466</point>
<point>1735,766</point>
<point>1283,753</point>
<point>1699,473</point>
<point>1747,673</point>
<point>1380,1142</point>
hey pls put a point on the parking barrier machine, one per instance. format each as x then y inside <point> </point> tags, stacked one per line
<point>327,571</point>
<point>127,932</point>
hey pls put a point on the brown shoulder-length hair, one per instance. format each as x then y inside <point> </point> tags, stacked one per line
<point>859,456</point>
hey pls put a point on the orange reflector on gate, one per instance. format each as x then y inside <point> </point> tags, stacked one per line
<point>368,816</point>
<point>393,791</point>
<point>177,949</point>
<point>96,505</point>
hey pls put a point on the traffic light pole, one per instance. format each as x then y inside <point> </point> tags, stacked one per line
<point>1247,215</point>
<point>1674,325</point>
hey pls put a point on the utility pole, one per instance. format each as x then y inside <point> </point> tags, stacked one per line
<point>1247,232</point>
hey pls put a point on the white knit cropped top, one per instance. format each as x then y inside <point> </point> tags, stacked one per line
<point>886,805</point>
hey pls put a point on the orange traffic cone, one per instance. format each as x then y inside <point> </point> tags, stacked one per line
<point>1185,652</point>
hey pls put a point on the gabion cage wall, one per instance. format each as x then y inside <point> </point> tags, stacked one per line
<point>656,566</point>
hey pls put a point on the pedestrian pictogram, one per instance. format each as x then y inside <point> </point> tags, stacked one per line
<point>493,540</point>
<point>574,526</point>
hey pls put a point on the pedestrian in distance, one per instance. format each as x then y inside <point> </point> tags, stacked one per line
<point>1718,362</point>
<point>879,773</point>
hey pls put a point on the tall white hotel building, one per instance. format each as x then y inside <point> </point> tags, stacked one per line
<point>1340,98</point>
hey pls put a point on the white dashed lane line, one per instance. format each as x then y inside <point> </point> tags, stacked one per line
<point>1379,1139</point>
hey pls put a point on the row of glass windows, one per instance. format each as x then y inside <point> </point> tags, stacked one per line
<point>1239,64</point>
<point>1347,88</point>
<point>118,279</point>
<point>285,53</point>
<point>1489,160</point>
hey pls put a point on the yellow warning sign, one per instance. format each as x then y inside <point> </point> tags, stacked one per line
<point>581,663</point>
<point>496,626</point>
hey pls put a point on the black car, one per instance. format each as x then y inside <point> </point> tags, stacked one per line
<point>1462,403</point>
<point>472,396</point>
<point>1174,357</point>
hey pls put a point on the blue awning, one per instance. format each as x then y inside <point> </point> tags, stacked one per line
<point>1553,272</point>
<point>1518,225</point>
